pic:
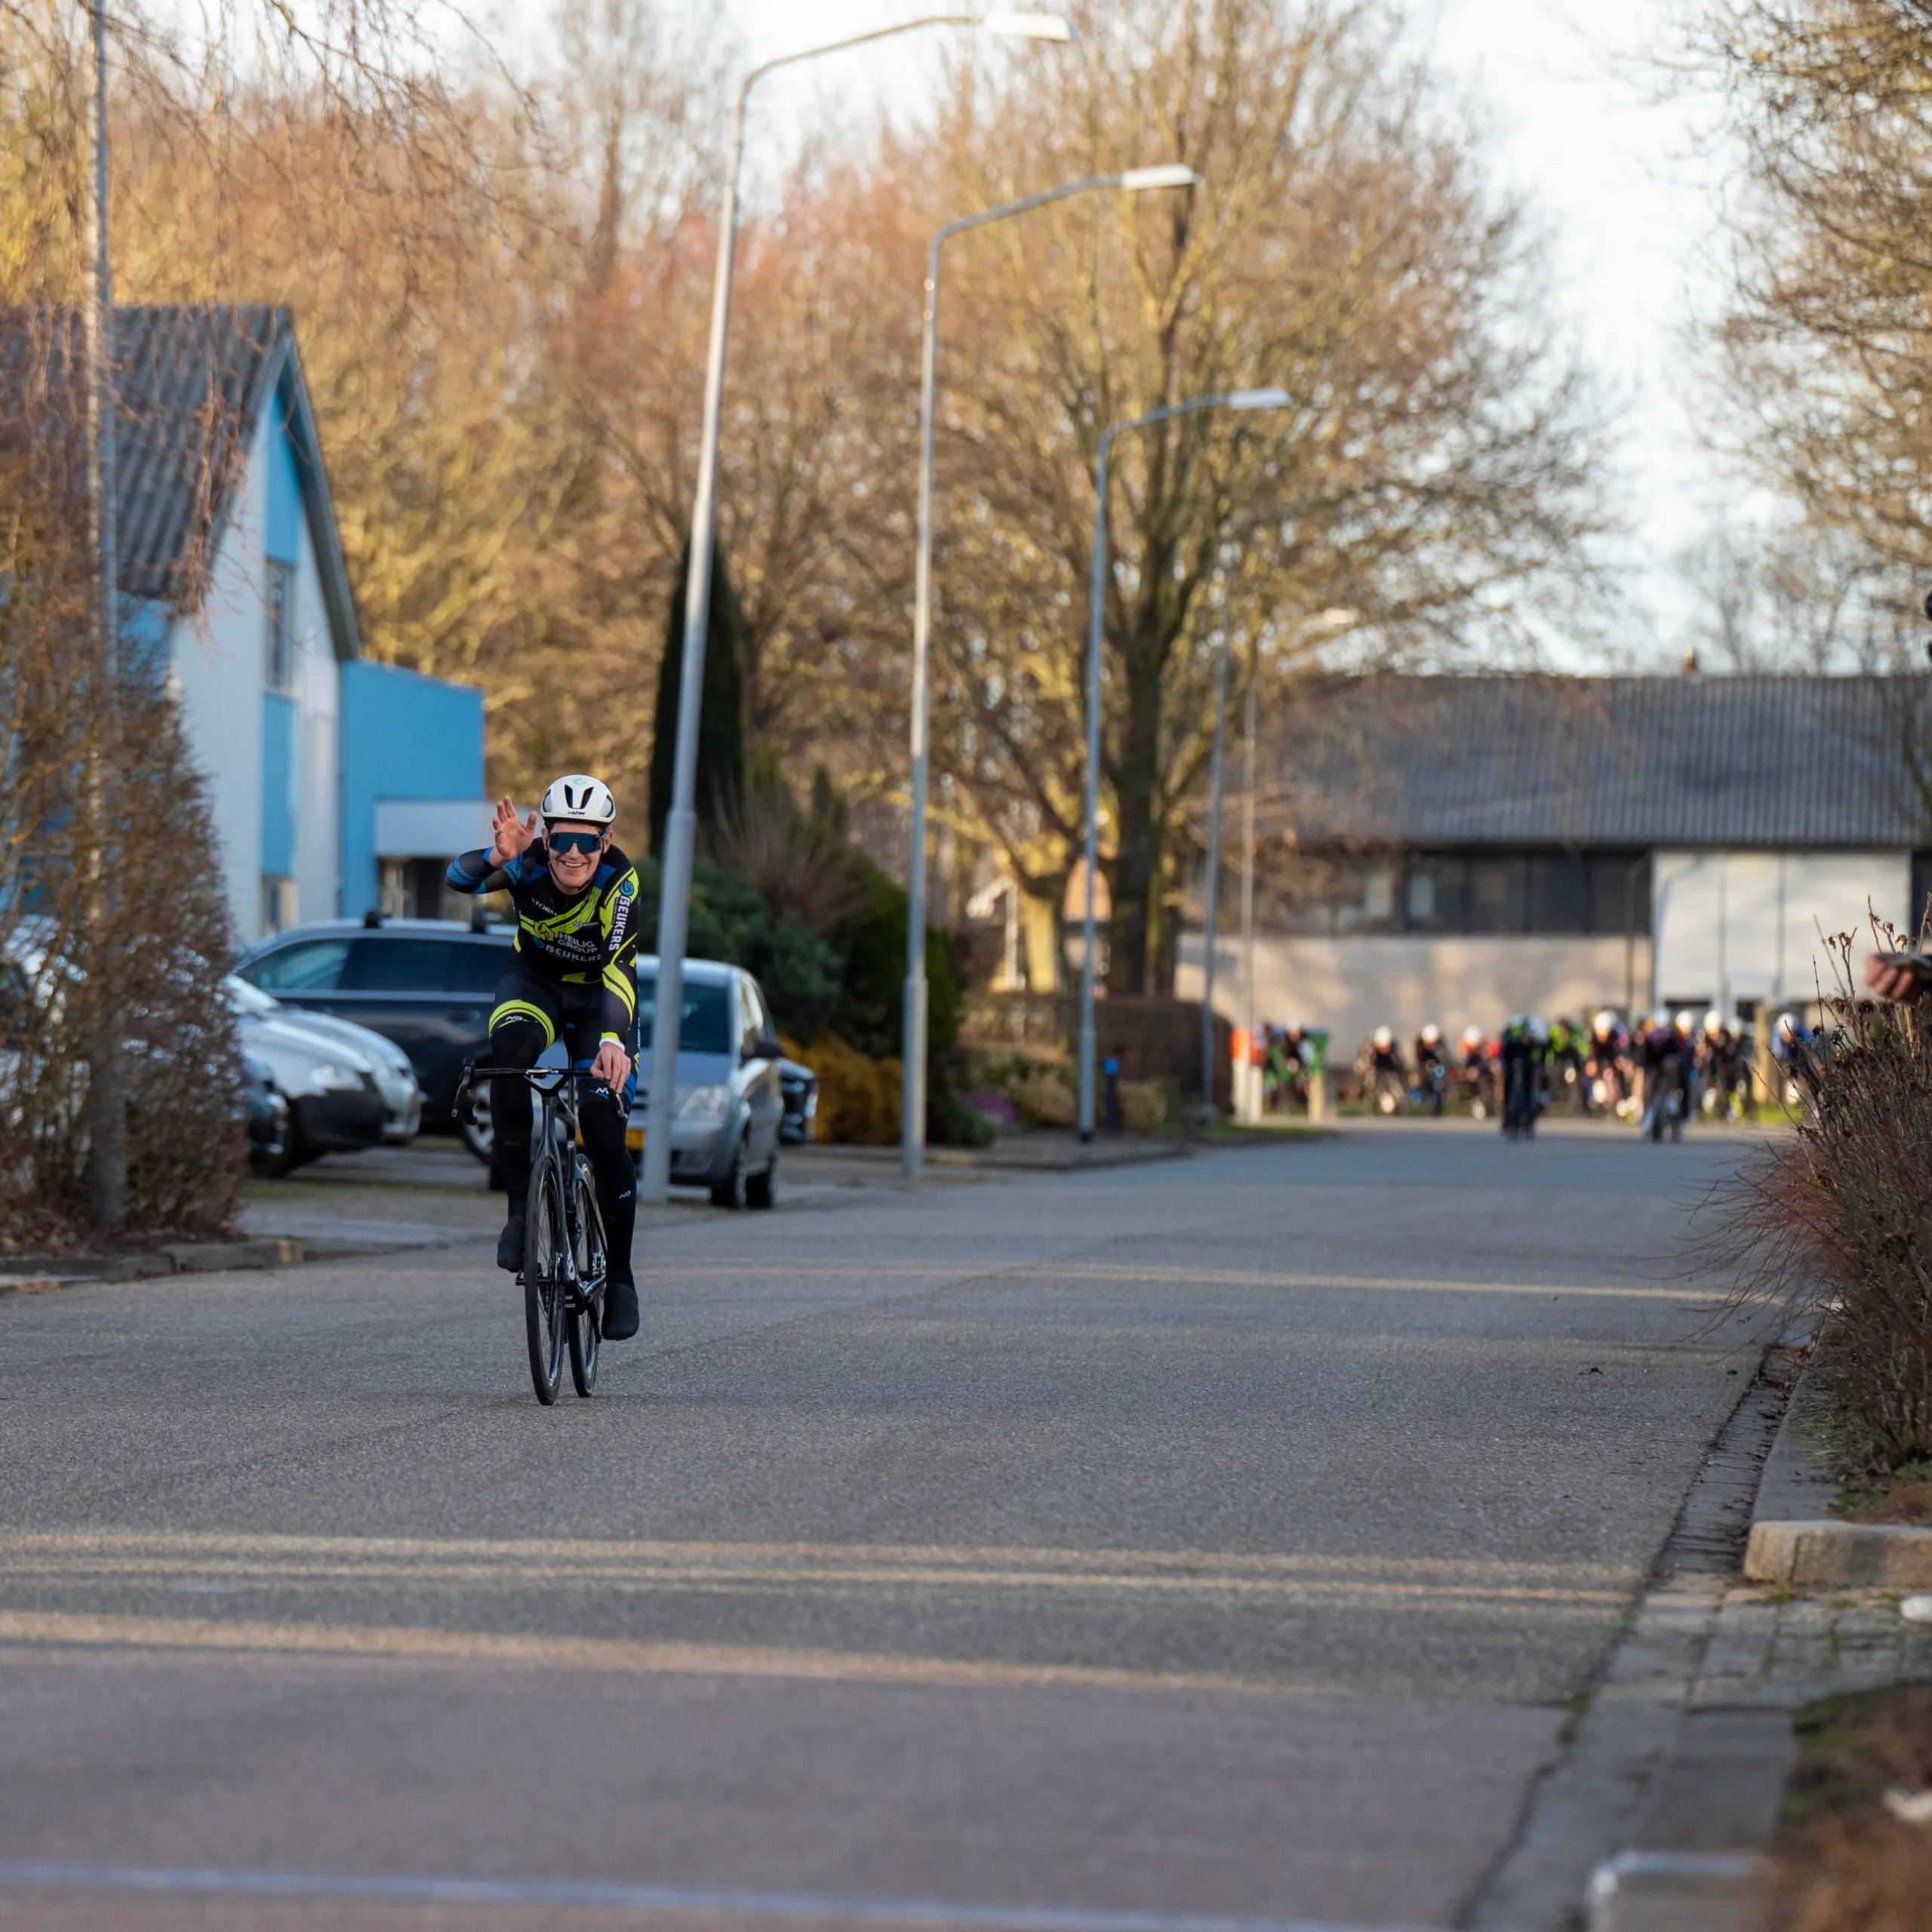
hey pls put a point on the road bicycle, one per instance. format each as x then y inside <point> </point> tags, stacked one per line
<point>564,1250</point>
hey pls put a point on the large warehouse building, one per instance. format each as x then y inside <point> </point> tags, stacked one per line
<point>1460,848</point>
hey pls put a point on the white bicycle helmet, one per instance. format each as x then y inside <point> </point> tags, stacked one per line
<point>579,798</point>
<point>1384,1038</point>
<point>1431,1034</point>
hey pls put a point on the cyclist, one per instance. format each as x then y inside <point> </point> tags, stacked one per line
<point>1605,1058</point>
<point>1719,1050</point>
<point>1661,1050</point>
<point>1473,1070</point>
<point>1522,1050</point>
<point>1431,1067</point>
<point>1566,1061</point>
<point>574,977</point>
<point>1386,1077</point>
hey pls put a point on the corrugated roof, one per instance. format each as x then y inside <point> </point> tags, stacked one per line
<point>1777,761</point>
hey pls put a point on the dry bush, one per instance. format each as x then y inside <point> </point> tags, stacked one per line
<point>801,865</point>
<point>1048,1096</point>
<point>858,1097</point>
<point>1840,1219</point>
<point>112,922</point>
<point>1843,1863</point>
<point>1145,1105</point>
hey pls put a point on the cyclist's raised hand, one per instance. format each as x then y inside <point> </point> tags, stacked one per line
<point>508,834</point>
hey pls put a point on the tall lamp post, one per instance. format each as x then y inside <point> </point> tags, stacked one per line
<point>912,1088</point>
<point>107,1106</point>
<point>681,825</point>
<point>1269,398</point>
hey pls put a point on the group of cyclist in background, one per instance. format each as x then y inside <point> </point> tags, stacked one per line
<point>1658,1071</point>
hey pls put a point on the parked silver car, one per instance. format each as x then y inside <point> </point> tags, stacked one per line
<point>345,1086</point>
<point>724,1133</point>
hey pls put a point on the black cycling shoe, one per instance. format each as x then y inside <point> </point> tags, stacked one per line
<point>620,1322</point>
<point>509,1244</point>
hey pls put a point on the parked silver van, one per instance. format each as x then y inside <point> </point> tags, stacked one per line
<point>724,1133</point>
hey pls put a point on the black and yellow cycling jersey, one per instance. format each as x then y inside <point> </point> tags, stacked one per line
<point>585,939</point>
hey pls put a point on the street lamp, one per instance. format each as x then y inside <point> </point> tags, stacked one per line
<point>680,826</point>
<point>912,1084</point>
<point>1266,398</point>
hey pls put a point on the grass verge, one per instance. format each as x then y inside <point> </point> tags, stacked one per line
<point>1843,1862</point>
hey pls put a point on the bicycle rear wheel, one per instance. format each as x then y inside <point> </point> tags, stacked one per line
<point>586,1312</point>
<point>546,1277</point>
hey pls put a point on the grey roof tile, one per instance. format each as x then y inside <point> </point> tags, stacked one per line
<point>188,384</point>
<point>1776,762</point>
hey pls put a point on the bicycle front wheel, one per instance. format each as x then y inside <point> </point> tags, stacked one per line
<point>546,1272</point>
<point>587,1308</point>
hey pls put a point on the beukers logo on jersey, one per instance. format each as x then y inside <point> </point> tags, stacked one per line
<point>620,914</point>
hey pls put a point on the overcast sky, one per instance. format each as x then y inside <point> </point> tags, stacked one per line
<point>1614,177</point>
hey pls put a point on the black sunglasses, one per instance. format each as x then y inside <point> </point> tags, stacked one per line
<point>574,841</point>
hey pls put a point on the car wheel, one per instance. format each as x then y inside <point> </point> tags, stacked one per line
<point>282,1155</point>
<point>733,1190</point>
<point>762,1190</point>
<point>479,1135</point>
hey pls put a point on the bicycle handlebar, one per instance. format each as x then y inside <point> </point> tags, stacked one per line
<point>543,1078</point>
<point>548,1081</point>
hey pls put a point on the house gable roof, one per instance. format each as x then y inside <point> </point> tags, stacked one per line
<point>1740,761</point>
<point>191,386</point>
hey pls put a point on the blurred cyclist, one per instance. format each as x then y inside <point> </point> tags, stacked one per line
<point>1720,1062</point>
<point>1431,1067</point>
<point>1473,1071</point>
<point>1606,1062</point>
<point>1524,1043</point>
<point>1385,1079</point>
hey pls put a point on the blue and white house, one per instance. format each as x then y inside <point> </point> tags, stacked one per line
<point>336,784</point>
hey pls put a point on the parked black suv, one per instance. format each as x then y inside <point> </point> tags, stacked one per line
<point>424,983</point>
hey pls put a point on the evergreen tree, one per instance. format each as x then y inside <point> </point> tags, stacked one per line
<point>721,727</point>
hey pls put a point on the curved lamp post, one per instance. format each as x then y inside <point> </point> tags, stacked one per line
<point>912,1087</point>
<point>1235,399</point>
<point>680,827</point>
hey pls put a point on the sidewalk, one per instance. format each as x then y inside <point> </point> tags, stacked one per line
<point>1674,1787</point>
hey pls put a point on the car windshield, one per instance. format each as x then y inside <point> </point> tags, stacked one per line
<point>706,1026</point>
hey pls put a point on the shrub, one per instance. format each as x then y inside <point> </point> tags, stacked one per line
<point>1840,1219</point>
<point>799,969</point>
<point>113,925</point>
<point>858,1097</point>
<point>955,1122</point>
<point>1048,1095</point>
<point>1145,1104</point>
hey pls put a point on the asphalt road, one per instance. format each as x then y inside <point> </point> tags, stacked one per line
<point>1220,1539</point>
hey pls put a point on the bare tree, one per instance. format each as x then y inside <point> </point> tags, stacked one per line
<point>1804,599</point>
<point>1828,344</point>
<point>1432,473</point>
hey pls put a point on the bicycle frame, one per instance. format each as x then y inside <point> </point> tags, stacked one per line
<point>556,1089</point>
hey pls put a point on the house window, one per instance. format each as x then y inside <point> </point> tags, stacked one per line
<point>1556,893</point>
<point>279,611</point>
